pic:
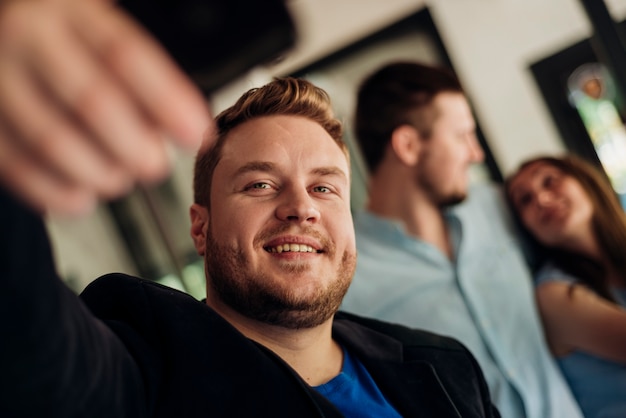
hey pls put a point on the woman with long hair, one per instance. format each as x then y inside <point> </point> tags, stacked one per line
<point>570,209</point>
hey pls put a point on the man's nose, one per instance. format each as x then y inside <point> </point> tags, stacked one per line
<point>297,206</point>
<point>477,154</point>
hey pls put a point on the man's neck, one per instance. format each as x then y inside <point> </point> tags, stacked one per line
<point>420,217</point>
<point>311,352</point>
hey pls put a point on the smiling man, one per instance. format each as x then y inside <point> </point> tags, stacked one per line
<point>290,254</point>
<point>272,220</point>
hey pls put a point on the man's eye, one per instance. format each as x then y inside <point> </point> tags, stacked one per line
<point>321,189</point>
<point>260,186</point>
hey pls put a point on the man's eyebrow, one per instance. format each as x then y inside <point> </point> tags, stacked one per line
<point>255,166</point>
<point>266,166</point>
<point>330,171</point>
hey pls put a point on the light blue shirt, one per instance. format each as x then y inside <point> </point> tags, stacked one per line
<point>484,299</point>
<point>597,383</point>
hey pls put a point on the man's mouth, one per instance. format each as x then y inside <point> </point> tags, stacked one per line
<point>293,248</point>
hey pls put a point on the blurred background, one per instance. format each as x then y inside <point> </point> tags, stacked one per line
<point>532,70</point>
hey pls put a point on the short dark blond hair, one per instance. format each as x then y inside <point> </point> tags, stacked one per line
<point>283,96</point>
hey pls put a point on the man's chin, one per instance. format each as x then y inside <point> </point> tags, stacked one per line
<point>453,199</point>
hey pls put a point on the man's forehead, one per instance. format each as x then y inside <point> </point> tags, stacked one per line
<point>267,142</point>
<point>452,103</point>
<point>267,130</point>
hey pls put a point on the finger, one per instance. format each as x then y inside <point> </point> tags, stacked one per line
<point>60,148</point>
<point>34,185</point>
<point>168,96</point>
<point>72,75</point>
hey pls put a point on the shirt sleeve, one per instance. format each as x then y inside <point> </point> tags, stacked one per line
<point>551,273</point>
<point>56,359</point>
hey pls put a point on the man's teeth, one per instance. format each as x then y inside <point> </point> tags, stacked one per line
<point>294,248</point>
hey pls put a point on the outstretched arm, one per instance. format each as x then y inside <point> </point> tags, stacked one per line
<point>88,103</point>
<point>56,359</point>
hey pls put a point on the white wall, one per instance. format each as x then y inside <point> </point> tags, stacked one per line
<point>491,44</point>
<point>492,51</point>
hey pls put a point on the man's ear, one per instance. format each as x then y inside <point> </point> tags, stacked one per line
<point>199,226</point>
<point>406,144</point>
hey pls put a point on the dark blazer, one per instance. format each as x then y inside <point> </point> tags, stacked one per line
<point>133,348</point>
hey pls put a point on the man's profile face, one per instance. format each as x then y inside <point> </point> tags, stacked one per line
<point>447,154</point>
<point>280,240</point>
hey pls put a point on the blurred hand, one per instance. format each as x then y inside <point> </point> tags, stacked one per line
<point>88,103</point>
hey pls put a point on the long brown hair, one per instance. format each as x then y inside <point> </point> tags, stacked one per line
<point>608,222</point>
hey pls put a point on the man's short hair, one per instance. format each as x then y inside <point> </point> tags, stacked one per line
<point>399,93</point>
<point>283,96</point>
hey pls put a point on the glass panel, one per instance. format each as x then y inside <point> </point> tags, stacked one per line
<point>592,92</point>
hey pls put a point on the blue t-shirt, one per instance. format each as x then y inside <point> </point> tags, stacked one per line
<point>598,384</point>
<point>355,393</point>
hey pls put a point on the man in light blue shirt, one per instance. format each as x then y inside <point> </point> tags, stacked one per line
<point>430,257</point>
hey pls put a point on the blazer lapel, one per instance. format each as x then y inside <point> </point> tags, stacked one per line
<point>413,387</point>
<point>420,392</point>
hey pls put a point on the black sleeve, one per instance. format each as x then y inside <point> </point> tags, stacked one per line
<point>56,359</point>
<point>490,409</point>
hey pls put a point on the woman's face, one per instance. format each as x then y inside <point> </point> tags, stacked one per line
<point>552,205</point>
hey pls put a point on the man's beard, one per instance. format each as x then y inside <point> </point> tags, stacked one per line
<point>452,199</point>
<point>438,197</point>
<point>254,295</point>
